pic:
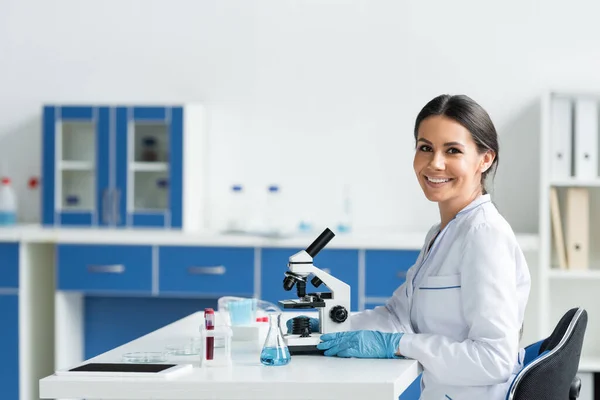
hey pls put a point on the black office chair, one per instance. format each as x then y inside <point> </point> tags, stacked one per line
<point>550,365</point>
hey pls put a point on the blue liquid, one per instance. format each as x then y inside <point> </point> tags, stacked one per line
<point>274,356</point>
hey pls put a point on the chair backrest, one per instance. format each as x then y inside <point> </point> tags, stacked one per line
<point>549,375</point>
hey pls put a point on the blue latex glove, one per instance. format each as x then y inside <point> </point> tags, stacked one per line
<point>314,324</point>
<point>361,344</point>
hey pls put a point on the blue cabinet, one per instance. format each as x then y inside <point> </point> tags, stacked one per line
<point>9,346</point>
<point>385,270</point>
<point>343,264</point>
<point>9,320</point>
<point>413,392</point>
<point>75,168</point>
<point>104,268</point>
<point>206,271</point>
<point>123,166</point>
<point>9,265</point>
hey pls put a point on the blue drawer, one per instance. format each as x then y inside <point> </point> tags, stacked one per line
<point>385,270</point>
<point>104,268</point>
<point>214,271</point>
<point>9,265</point>
<point>343,264</point>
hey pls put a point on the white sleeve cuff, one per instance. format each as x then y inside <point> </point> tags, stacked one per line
<point>405,345</point>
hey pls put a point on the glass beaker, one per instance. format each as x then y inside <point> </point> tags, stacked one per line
<point>275,351</point>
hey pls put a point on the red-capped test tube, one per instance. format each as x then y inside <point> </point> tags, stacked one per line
<point>209,325</point>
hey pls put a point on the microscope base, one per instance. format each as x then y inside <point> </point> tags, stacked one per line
<point>304,345</point>
<point>305,351</point>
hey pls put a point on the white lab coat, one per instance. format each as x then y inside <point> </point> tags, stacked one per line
<point>461,307</point>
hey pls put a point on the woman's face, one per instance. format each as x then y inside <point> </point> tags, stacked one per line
<point>447,162</point>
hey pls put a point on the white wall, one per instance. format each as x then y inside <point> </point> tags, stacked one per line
<point>294,86</point>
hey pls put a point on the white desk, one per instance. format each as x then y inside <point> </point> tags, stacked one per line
<point>306,377</point>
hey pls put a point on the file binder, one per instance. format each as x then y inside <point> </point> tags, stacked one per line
<point>577,227</point>
<point>557,229</point>
<point>586,139</point>
<point>561,127</point>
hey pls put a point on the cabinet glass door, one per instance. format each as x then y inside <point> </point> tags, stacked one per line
<point>143,165</point>
<point>71,165</point>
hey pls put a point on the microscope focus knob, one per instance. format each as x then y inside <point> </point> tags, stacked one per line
<point>338,314</point>
<point>316,281</point>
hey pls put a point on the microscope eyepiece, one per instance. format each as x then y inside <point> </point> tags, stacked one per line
<point>320,242</point>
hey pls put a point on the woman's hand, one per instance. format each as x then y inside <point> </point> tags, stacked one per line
<point>361,344</point>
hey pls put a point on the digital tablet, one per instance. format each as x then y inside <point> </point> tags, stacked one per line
<point>124,370</point>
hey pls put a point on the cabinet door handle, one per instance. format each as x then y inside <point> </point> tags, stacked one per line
<point>401,274</point>
<point>106,269</point>
<point>216,270</point>
<point>105,206</point>
<point>116,215</point>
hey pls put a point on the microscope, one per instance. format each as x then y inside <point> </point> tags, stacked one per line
<point>333,306</point>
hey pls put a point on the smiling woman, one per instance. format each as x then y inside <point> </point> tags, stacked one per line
<point>461,308</point>
<point>456,148</point>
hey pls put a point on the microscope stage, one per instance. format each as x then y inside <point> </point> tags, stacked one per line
<point>301,303</point>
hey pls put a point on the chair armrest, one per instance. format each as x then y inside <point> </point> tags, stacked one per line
<point>575,388</point>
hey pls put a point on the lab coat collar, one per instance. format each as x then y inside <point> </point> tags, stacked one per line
<point>484,198</point>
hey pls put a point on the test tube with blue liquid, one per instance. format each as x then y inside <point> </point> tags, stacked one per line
<point>275,351</point>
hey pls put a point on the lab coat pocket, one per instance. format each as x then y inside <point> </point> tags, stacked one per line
<point>441,305</point>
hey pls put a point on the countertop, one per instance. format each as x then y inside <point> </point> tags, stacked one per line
<point>391,240</point>
<point>305,377</point>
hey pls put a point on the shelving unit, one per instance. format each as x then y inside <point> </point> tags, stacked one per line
<point>124,165</point>
<point>570,174</point>
<point>562,274</point>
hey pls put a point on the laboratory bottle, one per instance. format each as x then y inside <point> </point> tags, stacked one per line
<point>8,203</point>
<point>237,210</point>
<point>273,214</point>
<point>162,195</point>
<point>345,219</point>
<point>149,151</point>
<point>275,351</point>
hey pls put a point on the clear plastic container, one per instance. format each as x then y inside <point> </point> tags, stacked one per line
<point>141,357</point>
<point>213,356</point>
<point>186,347</point>
<point>243,311</point>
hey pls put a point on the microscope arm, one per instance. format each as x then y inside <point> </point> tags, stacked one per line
<point>339,289</point>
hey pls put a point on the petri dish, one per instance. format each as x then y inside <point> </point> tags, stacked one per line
<point>145,357</point>
<point>186,347</point>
